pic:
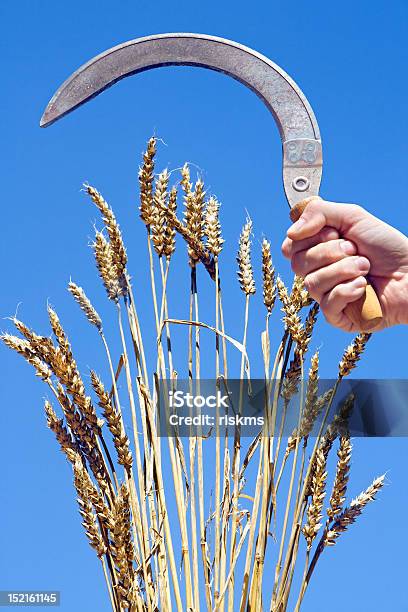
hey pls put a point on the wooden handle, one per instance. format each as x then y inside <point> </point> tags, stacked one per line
<point>365,312</point>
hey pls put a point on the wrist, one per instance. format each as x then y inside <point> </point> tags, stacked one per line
<point>401,307</point>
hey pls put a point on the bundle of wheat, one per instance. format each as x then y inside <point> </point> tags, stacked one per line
<point>212,555</point>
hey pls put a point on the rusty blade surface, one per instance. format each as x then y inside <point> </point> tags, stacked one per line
<point>302,156</point>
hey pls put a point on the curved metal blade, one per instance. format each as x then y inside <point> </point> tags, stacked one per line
<point>302,157</point>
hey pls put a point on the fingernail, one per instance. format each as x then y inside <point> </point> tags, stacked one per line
<point>363,264</point>
<point>359,282</point>
<point>347,247</point>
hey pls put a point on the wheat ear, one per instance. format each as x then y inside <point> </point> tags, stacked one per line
<point>146,178</point>
<point>338,495</point>
<point>268,271</point>
<point>115,236</point>
<point>193,211</point>
<point>63,436</point>
<point>212,227</point>
<point>245,270</point>
<point>158,225</point>
<point>85,304</point>
<point>352,354</point>
<point>86,510</point>
<point>105,263</point>
<point>194,243</point>
<point>114,420</point>
<point>314,511</point>
<point>121,545</point>
<point>350,514</point>
<point>299,295</point>
<point>169,231</point>
<point>25,349</point>
<point>312,407</point>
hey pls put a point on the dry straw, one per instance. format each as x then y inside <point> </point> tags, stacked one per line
<point>247,532</point>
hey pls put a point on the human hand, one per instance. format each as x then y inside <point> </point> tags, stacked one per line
<point>334,246</point>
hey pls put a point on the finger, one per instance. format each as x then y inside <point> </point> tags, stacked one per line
<point>335,301</point>
<point>325,279</point>
<point>320,255</point>
<point>319,213</point>
<point>290,247</point>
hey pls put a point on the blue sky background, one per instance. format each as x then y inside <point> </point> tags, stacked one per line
<point>350,60</point>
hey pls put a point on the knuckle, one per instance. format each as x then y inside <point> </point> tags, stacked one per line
<point>327,234</point>
<point>340,292</point>
<point>343,248</point>
<point>333,295</point>
<point>333,251</point>
<point>307,214</point>
<point>331,299</point>
<point>328,252</point>
<point>314,206</point>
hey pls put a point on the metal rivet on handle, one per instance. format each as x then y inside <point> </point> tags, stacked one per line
<point>301,183</point>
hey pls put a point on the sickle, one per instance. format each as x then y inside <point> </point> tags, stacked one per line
<point>302,149</point>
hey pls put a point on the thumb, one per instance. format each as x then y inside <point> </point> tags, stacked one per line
<point>317,214</point>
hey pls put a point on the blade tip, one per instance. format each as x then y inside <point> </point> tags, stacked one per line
<point>45,119</point>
